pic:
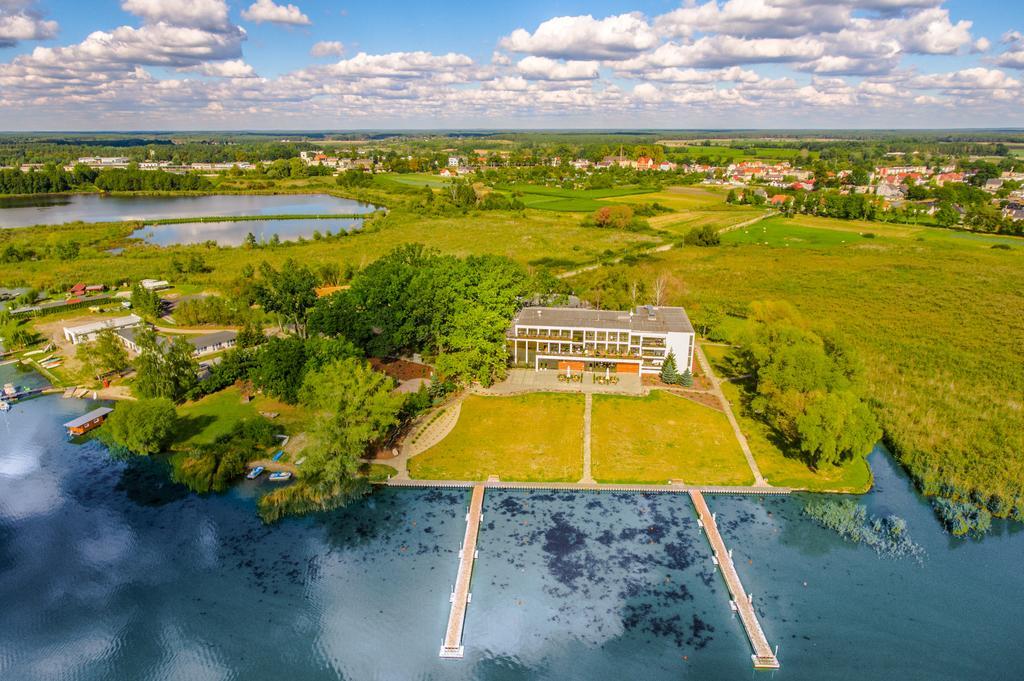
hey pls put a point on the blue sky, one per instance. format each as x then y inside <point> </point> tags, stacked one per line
<point>180,64</point>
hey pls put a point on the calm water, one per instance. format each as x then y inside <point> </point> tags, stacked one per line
<point>233,233</point>
<point>108,571</point>
<point>51,210</point>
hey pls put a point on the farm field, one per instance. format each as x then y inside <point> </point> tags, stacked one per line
<point>536,437</point>
<point>571,200</point>
<point>694,149</point>
<point>810,231</point>
<point>662,437</point>
<point>678,224</point>
<point>935,324</point>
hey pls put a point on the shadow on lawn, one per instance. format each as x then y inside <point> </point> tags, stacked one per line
<point>189,427</point>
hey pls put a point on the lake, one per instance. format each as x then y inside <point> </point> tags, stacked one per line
<point>234,232</point>
<point>110,571</point>
<point>57,209</point>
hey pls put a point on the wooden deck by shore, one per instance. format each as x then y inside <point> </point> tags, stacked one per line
<point>452,645</point>
<point>763,657</point>
<point>591,486</point>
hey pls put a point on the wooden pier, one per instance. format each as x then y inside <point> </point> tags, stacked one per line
<point>764,657</point>
<point>460,598</point>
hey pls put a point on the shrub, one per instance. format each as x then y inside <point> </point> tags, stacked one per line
<point>702,236</point>
<point>962,517</point>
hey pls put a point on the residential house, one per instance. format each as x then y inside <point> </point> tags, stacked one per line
<point>891,192</point>
<point>644,163</point>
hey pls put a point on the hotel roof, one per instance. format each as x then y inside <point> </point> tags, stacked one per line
<point>645,319</point>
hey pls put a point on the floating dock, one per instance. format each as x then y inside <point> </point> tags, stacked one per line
<point>460,598</point>
<point>764,657</point>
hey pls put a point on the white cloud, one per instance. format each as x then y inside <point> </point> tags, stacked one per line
<point>542,68</point>
<point>584,37</point>
<point>208,14</point>
<point>1013,57</point>
<point>327,48</point>
<point>232,68</point>
<point>267,11</point>
<point>760,18</point>
<point>20,21</point>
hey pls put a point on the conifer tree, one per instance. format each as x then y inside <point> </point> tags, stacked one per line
<point>669,373</point>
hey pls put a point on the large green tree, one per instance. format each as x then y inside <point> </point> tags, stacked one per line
<point>141,426</point>
<point>164,368</point>
<point>356,406</point>
<point>808,386</point>
<point>103,355</point>
<point>290,292</point>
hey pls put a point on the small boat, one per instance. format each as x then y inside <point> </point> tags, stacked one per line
<point>280,476</point>
<point>255,473</point>
<point>4,405</point>
<point>277,457</point>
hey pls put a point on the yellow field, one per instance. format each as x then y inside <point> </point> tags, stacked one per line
<point>664,437</point>
<point>527,438</point>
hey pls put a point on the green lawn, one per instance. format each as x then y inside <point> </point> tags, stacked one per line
<point>660,437</point>
<point>533,237</point>
<point>377,472</point>
<point>543,197</point>
<point>778,469</point>
<point>809,231</point>
<point>203,421</point>
<point>933,322</point>
<point>534,438</point>
<point>782,233</point>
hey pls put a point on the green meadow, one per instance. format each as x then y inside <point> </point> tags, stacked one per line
<point>934,315</point>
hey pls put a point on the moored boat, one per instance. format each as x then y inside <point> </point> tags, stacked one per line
<point>280,476</point>
<point>255,473</point>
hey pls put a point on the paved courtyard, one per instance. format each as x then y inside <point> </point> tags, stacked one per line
<point>528,380</point>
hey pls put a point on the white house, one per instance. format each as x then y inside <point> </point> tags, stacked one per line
<point>590,340</point>
<point>88,332</point>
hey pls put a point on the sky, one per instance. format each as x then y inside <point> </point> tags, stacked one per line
<point>394,64</point>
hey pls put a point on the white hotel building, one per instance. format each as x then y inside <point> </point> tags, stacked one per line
<point>597,340</point>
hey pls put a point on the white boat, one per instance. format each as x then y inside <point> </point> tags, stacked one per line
<point>4,405</point>
<point>255,473</point>
<point>280,476</point>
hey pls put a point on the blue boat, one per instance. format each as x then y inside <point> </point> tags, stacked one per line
<point>280,476</point>
<point>255,473</point>
<point>277,457</point>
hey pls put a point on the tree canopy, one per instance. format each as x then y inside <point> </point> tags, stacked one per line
<point>290,292</point>
<point>141,426</point>
<point>415,300</point>
<point>808,387</point>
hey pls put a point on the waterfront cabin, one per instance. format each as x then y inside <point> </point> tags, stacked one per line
<point>86,422</point>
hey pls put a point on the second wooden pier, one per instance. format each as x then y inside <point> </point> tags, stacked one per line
<point>764,657</point>
<point>452,646</point>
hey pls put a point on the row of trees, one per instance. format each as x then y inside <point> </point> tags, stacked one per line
<point>53,179</point>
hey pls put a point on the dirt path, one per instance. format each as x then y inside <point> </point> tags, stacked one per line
<point>716,388</point>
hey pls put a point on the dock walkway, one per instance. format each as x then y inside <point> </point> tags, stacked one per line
<point>763,657</point>
<point>452,646</point>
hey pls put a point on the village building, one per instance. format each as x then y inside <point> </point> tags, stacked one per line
<point>89,332</point>
<point>205,344</point>
<point>576,339</point>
